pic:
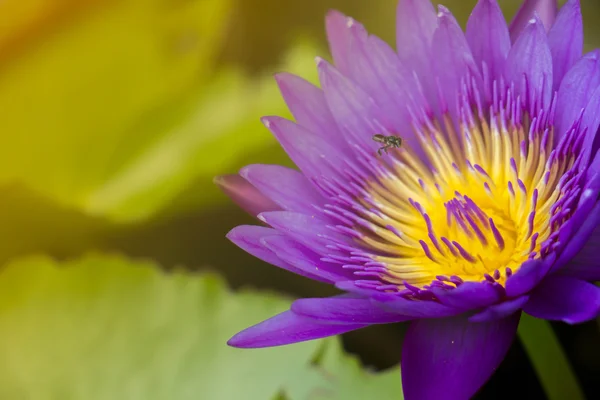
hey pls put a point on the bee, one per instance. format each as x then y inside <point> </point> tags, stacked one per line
<point>388,141</point>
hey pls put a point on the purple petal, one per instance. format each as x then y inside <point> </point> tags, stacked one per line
<point>308,106</point>
<point>528,276</point>
<point>566,40</point>
<point>416,308</point>
<point>488,37</point>
<point>452,358</point>
<point>351,287</point>
<point>576,90</point>
<point>377,69</point>
<point>306,261</point>
<point>562,298</point>
<point>500,311</point>
<point>311,153</point>
<point>336,26</point>
<point>306,229</point>
<point>545,9</point>
<point>245,195</point>
<point>530,58</point>
<point>285,186</point>
<point>401,305</point>
<point>454,60</point>
<point>248,238</point>
<point>470,295</point>
<point>254,240</point>
<point>355,112</point>
<point>345,311</point>
<point>286,328</point>
<point>415,23</point>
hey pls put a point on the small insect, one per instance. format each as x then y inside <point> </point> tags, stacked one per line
<point>388,141</point>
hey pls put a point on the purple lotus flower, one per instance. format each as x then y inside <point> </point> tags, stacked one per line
<point>488,207</point>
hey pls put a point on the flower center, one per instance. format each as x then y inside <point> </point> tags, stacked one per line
<point>489,199</point>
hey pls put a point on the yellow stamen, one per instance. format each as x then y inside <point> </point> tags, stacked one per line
<point>482,207</point>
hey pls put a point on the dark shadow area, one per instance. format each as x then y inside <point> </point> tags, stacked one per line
<point>198,240</point>
<point>33,224</point>
<point>514,379</point>
<point>582,346</point>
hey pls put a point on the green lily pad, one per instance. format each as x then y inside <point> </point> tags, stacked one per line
<point>339,376</point>
<point>104,327</point>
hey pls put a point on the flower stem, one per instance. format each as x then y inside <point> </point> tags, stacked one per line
<point>548,359</point>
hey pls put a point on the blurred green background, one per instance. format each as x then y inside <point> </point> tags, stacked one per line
<point>116,115</point>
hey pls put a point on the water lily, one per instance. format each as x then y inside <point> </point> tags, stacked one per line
<point>487,208</point>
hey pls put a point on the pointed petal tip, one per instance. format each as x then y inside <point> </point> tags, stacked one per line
<point>246,171</point>
<point>266,121</point>
<point>282,77</point>
<point>233,234</point>
<point>286,328</point>
<point>273,122</point>
<point>242,233</point>
<point>287,81</point>
<point>242,340</point>
<point>221,180</point>
<point>333,15</point>
<point>236,342</point>
<point>320,61</point>
<point>443,11</point>
<point>535,20</point>
<point>262,217</point>
<point>229,183</point>
<point>252,171</point>
<point>545,9</point>
<point>244,194</point>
